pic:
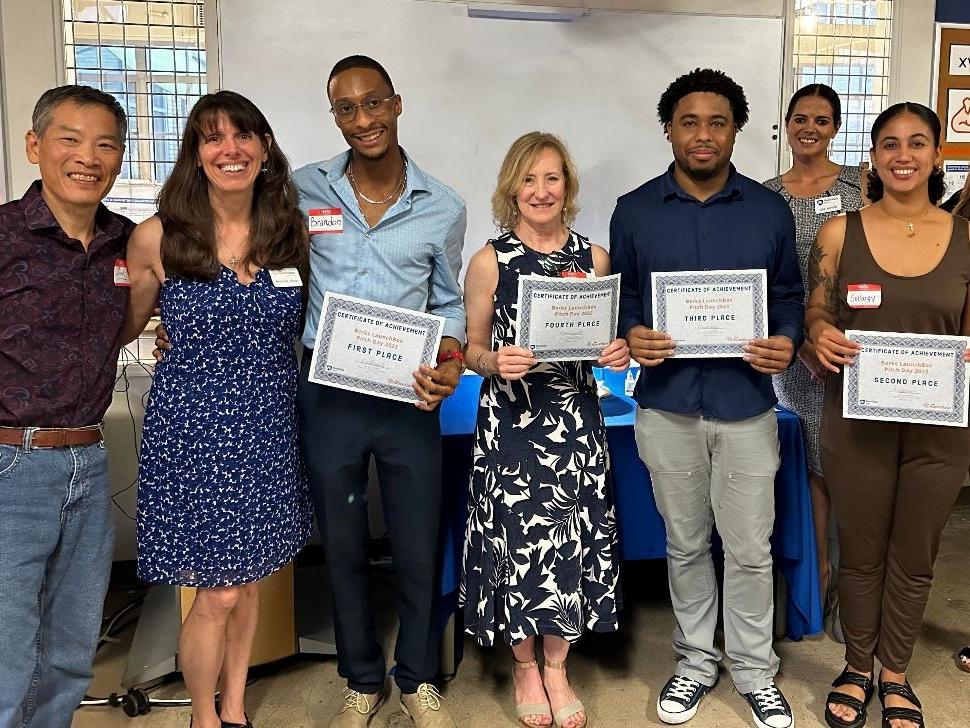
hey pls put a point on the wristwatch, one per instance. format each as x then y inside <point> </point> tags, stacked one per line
<point>452,354</point>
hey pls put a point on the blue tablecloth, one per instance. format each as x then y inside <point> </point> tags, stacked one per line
<point>640,527</point>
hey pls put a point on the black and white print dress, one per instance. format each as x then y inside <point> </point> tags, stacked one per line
<point>795,387</point>
<point>540,543</point>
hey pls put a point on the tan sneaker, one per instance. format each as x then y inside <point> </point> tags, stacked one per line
<point>425,709</point>
<point>358,709</point>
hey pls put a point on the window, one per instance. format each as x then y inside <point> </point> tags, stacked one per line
<point>151,57</point>
<point>846,45</point>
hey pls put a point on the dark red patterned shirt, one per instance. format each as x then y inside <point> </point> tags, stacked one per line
<point>61,316</point>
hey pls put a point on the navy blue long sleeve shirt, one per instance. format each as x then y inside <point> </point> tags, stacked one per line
<point>660,228</point>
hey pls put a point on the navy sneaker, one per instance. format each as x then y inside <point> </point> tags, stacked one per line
<point>679,699</point>
<point>769,708</point>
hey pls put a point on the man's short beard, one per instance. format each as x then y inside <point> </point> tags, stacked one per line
<point>700,175</point>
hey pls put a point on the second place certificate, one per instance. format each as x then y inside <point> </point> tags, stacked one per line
<point>567,319</point>
<point>373,348</point>
<point>907,378</point>
<point>711,313</point>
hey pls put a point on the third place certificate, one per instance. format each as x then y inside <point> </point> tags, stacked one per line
<point>711,313</point>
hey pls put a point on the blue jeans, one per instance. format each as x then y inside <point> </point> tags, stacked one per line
<point>56,538</point>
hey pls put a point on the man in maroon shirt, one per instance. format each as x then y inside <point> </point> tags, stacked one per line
<point>63,297</point>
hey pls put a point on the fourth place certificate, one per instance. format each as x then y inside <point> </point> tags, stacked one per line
<point>711,313</point>
<point>373,348</point>
<point>907,378</point>
<point>567,319</point>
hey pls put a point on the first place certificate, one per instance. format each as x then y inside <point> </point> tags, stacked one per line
<point>907,378</point>
<point>373,348</point>
<point>567,319</point>
<point>711,313</point>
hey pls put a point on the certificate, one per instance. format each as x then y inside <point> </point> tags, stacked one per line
<point>907,378</point>
<point>711,313</point>
<point>373,348</point>
<point>567,319</point>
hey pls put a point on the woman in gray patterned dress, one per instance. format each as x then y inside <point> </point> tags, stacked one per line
<point>539,545</point>
<point>816,188</point>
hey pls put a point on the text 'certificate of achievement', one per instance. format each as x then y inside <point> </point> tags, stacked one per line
<point>373,348</point>
<point>711,313</point>
<point>906,378</point>
<point>567,319</point>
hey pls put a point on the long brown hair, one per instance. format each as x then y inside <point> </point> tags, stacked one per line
<point>278,238</point>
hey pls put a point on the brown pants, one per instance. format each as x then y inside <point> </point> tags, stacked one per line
<point>892,486</point>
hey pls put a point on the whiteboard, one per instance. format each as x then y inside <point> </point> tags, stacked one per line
<point>470,86</point>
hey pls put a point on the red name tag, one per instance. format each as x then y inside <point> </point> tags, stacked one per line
<point>572,274</point>
<point>325,220</point>
<point>121,273</point>
<point>863,295</point>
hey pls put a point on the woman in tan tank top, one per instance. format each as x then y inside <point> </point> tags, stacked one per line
<point>892,484</point>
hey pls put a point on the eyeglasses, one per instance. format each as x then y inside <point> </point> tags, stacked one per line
<point>345,111</point>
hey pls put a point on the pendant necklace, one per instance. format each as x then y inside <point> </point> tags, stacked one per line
<point>910,224</point>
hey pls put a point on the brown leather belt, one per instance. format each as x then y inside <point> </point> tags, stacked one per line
<point>51,436</point>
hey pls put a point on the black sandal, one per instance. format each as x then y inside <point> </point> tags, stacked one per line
<point>963,659</point>
<point>859,706</point>
<point>903,690</point>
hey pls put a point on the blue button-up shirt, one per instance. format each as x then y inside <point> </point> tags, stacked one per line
<point>659,227</point>
<point>410,259</point>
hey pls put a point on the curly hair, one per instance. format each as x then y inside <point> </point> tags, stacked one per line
<point>518,160</point>
<point>936,187</point>
<point>705,80</point>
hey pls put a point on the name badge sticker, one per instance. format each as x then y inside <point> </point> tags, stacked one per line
<point>121,273</point>
<point>286,278</point>
<point>572,274</point>
<point>325,220</point>
<point>824,205</point>
<point>864,295</point>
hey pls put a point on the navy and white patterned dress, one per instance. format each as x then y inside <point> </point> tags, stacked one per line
<point>795,387</point>
<point>539,555</point>
<point>222,498</point>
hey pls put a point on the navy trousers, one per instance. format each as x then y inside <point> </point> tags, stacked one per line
<point>340,432</point>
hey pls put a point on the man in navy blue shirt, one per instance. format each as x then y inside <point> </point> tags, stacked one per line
<point>706,428</point>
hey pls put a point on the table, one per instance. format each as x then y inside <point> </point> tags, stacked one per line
<point>640,527</point>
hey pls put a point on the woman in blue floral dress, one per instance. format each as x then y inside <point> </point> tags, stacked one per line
<point>222,499</point>
<point>541,533</point>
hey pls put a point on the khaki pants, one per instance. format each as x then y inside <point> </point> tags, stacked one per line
<point>709,472</point>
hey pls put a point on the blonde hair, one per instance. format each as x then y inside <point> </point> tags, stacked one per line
<point>518,161</point>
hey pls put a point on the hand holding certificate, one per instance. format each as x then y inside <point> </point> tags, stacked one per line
<point>712,313</point>
<point>567,319</point>
<point>373,348</point>
<point>907,378</point>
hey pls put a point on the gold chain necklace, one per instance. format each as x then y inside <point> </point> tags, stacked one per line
<point>910,224</point>
<point>395,193</point>
<point>233,259</point>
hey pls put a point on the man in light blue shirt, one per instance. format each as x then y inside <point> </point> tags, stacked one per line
<point>381,230</point>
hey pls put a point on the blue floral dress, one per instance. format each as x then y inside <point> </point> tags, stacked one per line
<point>540,542</point>
<point>222,497</point>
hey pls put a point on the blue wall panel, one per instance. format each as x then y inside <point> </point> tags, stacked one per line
<point>953,11</point>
